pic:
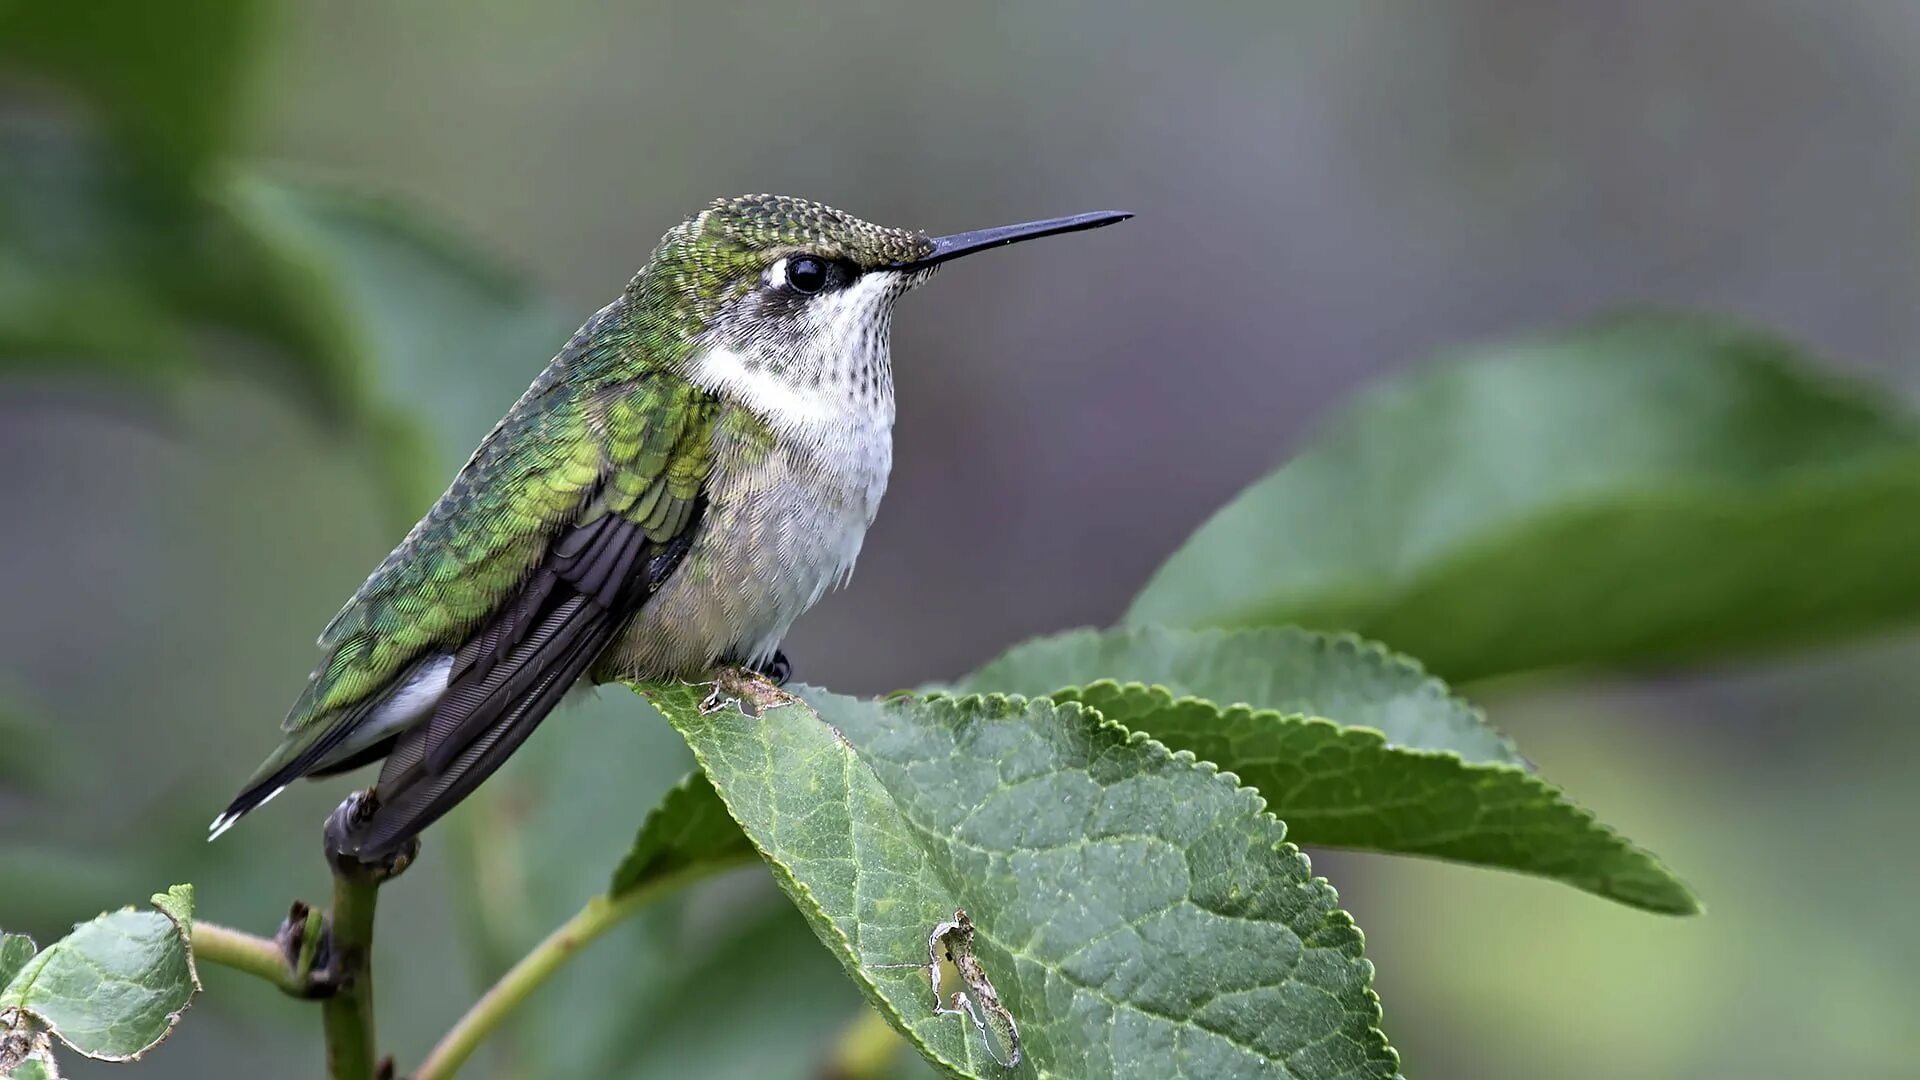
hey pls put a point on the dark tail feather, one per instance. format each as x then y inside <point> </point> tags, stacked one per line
<point>504,680</point>
<point>413,794</point>
<point>307,763</point>
<point>510,678</point>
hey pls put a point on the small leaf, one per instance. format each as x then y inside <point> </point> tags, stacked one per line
<point>690,827</point>
<point>177,904</point>
<point>39,1065</point>
<point>1399,764</point>
<point>15,951</point>
<point>1638,491</point>
<point>1137,913</point>
<point>114,987</point>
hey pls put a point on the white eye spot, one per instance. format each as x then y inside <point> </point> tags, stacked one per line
<point>777,274</point>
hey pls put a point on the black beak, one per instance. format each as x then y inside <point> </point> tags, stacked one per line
<point>955,245</point>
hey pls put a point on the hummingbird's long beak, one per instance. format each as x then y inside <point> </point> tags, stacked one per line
<point>954,245</point>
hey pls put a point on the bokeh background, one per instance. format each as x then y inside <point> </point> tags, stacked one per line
<point>1326,194</point>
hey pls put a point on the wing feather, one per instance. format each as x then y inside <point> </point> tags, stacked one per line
<point>525,567</point>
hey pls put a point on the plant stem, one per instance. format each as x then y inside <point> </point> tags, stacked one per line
<point>348,1014</point>
<point>241,951</point>
<point>602,913</point>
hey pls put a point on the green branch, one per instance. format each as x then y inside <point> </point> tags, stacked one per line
<point>241,951</point>
<point>601,914</point>
<point>348,1014</point>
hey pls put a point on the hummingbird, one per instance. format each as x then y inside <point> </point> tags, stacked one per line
<point>696,467</point>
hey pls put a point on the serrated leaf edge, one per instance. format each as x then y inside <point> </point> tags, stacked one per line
<point>1528,776</point>
<point>1338,918</point>
<point>1368,649</point>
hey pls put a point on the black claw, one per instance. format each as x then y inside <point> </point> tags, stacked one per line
<point>778,669</point>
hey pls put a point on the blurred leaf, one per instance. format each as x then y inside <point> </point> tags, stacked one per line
<point>1138,913</point>
<point>1637,491</point>
<point>114,987</point>
<point>100,276</point>
<point>1397,764</point>
<point>690,827</point>
<point>354,307</point>
<point>166,77</point>
<point>747,992</point>
<point>24,753</point>
<point>535,842</point>
<point>413,303</point>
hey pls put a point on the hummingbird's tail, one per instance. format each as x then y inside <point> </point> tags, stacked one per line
<point>249,800</point>
<point>357,736</point>
<point>511,674</point>
<point>458,716</point>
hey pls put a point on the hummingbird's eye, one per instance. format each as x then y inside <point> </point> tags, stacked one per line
<point>805,274</point>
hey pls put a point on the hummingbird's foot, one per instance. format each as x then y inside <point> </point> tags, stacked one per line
<point>745,689</point>
<point>778,669</point>
<point>342,843</point>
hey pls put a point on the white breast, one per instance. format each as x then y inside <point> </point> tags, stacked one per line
<point>786,523</point>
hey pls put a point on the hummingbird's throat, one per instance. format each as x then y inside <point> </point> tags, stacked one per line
<point>817,366</point>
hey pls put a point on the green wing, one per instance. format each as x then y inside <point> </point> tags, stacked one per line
<point>520,572</point>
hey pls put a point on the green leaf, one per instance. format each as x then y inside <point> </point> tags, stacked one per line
<point>1139,914</point>
<point>1638,491</point>
<point>690,827</point>
<point>1286,669</point>
<point>114,987</point>
<point>1351,745</point>
<point>535,842</point>
<point>167,78</point>
<point>15,951</point>
<point>750,994</point>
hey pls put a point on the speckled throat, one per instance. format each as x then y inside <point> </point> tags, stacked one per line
<point>801,455</point>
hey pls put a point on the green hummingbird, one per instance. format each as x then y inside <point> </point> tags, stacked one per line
<point>692,471</point>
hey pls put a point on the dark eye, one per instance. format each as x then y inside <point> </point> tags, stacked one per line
<point>807,274</point>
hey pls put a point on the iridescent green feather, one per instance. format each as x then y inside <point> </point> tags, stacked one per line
<point>567,451</point>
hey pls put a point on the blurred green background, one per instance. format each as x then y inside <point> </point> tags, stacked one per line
<point>1325,194</point>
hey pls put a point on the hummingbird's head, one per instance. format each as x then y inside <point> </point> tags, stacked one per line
<point>788,304</point>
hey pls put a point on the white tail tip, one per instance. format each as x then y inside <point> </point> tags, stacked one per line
<point>226,821</point>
